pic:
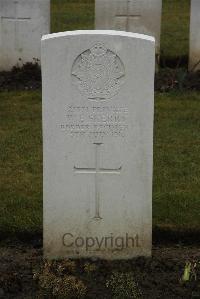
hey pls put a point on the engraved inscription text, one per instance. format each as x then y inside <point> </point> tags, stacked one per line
<point>95,121</point>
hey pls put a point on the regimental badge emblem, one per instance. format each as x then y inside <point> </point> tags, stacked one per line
<point>98,73</point>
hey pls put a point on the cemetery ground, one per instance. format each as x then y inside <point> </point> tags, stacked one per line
<point>176,185</point>
<point>176,208</point>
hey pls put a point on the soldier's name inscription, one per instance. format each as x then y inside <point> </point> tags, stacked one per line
<point>95,121</point>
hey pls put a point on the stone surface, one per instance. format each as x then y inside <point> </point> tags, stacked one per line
<point>141,16</point>
<point>22,24</point>
<point>194,59</point>
<point>98,101</point>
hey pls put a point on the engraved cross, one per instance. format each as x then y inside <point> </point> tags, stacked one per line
<point>132,12</point>
<point>97,170</point>
<point>16,19</point>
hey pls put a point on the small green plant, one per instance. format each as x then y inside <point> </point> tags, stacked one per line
<point>56,281</point>
<point>190,277</point>
<point>190,271</point>
<point>123,286</point>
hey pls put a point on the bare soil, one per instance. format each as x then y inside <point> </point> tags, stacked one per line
<point>157,277</point>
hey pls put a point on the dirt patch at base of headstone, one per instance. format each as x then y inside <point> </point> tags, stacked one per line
<point>156,277</point>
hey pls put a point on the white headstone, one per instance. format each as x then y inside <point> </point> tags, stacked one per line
<point>22,24</point>
<point>194,59</point>
<point>141,16</point>
<point>98,102</point>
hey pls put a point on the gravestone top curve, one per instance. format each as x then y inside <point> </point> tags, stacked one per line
<point>99,32</point>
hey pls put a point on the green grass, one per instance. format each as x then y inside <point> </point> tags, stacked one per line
<point>175,28</point>
<point>176,187</point>
<point>21,162</point>
<point>79,14</point>
<point>72,15</point>
<point>176,196</point>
